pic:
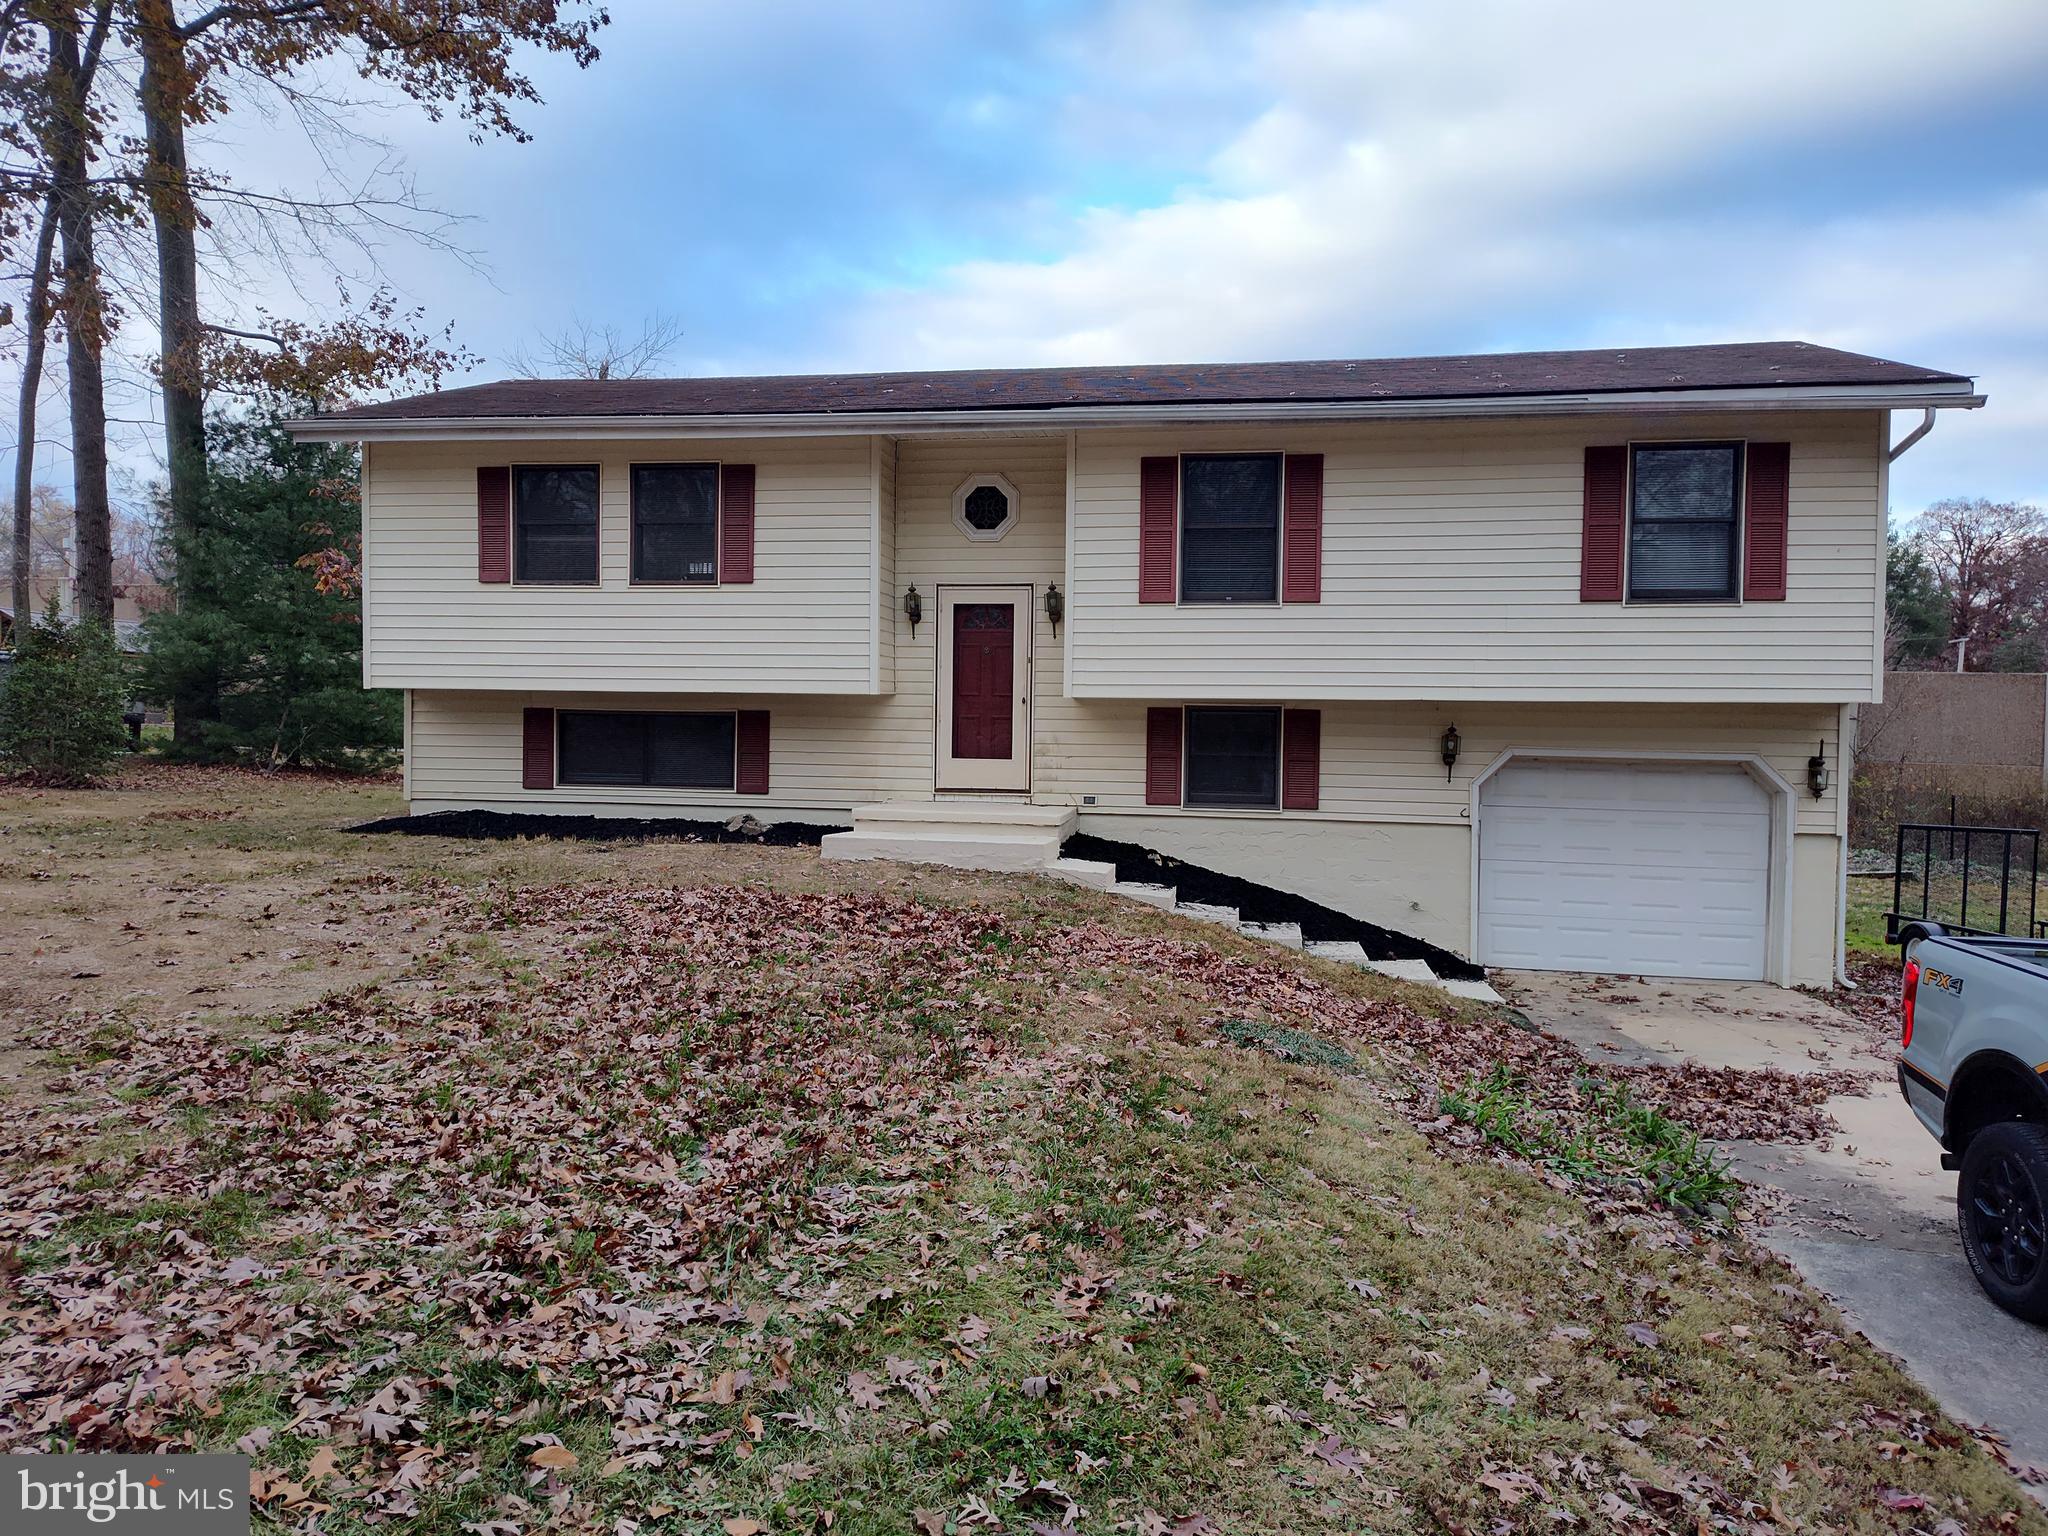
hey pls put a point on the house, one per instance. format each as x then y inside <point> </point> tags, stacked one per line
<point>134,601</point>
<point>1545,658</point>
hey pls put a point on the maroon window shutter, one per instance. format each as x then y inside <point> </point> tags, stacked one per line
<point>1301,541</point>
<point>1606,525</point>
<point>750,770</point>
<point>1158,512</point>
<point>537,750</point>
<point>1301,759</point>
<point>736,534</point>
<point>1162,755</point>
<point>1767,496</point>
<point>494,523</point>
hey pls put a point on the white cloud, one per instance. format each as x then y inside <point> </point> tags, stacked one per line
<point>1409,166</point>
<point>1289,179</point>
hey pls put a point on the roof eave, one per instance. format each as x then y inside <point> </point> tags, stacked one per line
<point>1941,395</point>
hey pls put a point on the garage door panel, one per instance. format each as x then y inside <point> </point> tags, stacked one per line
<point>1593,890</point>
<point>1653,869</point>
<point>1609,838</point>
<point>1602,787</point>
<point>1640,949</point>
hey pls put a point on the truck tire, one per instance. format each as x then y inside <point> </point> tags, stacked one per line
<point>2001,1202</point>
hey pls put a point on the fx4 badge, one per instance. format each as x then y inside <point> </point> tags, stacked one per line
<point>1953,985</point>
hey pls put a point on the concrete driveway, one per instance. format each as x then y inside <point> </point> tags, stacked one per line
<point>1870,1219</point>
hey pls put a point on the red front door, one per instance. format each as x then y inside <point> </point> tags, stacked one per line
<point>984,672</point>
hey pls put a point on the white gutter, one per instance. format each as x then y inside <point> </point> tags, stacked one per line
<point>1926,426</point>
<point>1928,397</point>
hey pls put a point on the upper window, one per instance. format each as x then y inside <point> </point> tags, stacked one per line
<point>673,751</point>
<point>554,522</point>
<point>1685,522</point>
<point>1230,528</point>
<point>985,507</point>
<point>1232,758</point>
<point>675,522</point>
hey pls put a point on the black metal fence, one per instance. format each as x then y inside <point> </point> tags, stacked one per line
<point>1954,873</point>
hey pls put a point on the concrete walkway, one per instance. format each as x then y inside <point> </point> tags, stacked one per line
<point>1870,1220</point>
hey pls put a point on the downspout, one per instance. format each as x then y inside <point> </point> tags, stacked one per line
<point>1845,738</point>
<point>1845,754</point>
<point>1926,426</point>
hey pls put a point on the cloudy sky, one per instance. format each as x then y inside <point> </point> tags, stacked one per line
<point>910,183</point>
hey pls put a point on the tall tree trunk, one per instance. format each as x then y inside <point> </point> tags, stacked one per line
<point>165,81</point>
<point>85,318</point>
<point>37,319</point>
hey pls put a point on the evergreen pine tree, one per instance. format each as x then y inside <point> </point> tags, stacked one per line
<point>61,703</point>
<point>285,646</point>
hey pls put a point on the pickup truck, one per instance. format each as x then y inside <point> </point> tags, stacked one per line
<point>1973,1023</point>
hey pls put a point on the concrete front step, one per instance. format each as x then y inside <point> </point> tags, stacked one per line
<point>955,850</point>
<point>1337,949</point>
<point>1102,877</point>
<point>962,834</point>
<point>1152,895</point>
<point>1089,872</point>
<point>1010,814</point>
<point>1404,970</point>
<point>1287,935</point>
<point>1478,991</point>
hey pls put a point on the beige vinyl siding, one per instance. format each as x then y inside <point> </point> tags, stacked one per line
<point>886,599</point>
<point>1391,842</point>
<point>1416,877</point>
<point>1382,762</point>
<point>1451,571</point>
<point>806,624</point>
<point>823,753</point>
<point>931,553</point>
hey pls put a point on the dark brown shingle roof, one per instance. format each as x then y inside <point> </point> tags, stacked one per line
<point>1745,365</point>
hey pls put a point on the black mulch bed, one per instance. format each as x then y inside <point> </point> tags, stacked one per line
<point>1255,903</point>
<point>1263,904</point>
<point>491,825</point>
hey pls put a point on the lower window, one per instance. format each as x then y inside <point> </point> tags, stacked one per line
<point>1232,758</point>
<point>693,751</point>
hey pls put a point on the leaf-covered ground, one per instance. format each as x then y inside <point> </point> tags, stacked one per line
<point>695,1190</point>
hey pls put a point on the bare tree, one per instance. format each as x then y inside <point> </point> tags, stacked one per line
<point>36,326</point>
<point>73,63</point>
<point>48,556</point>
<point>1990,561</point>
<point>582,350</point>
<point>196,70</point>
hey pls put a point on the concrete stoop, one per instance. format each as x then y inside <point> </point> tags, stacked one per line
<point>1005,835</point>
<point>961,834</point>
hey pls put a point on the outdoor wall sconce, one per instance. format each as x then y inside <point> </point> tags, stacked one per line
<point>913,609</point>
<point>1449,748</point>
<point>1055,607</point>
<point>1817,770</point>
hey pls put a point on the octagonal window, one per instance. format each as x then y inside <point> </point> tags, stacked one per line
<point>985,507</point>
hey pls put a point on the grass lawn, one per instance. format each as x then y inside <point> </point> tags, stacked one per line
<point>507,1187</point>
<point>1870,897</point>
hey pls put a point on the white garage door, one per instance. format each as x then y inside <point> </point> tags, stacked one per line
<point>1655,869</point>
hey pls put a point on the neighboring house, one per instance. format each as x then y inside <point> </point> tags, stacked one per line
<point>1522,655</point>
<point>134,601</point>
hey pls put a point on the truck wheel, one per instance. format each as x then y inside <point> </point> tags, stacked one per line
<point>2000,1202</point>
